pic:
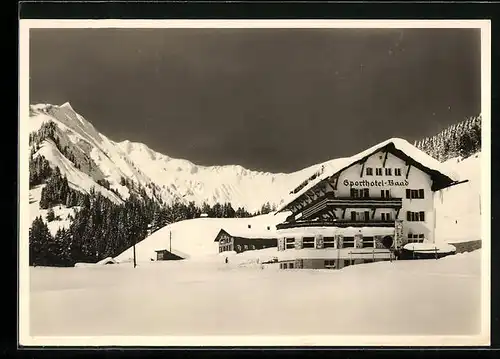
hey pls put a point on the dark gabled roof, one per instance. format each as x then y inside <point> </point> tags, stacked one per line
<point>401,148</point>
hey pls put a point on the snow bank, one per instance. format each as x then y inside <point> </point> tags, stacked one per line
<point>458,208</point>
<point>194,238</point>
<point>102,262</point>
<point>430,248</point>
<point>179,298</point>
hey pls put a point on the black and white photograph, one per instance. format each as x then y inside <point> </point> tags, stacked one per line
<point>272,182</point>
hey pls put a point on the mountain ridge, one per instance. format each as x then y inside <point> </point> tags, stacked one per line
<point>174,179</point>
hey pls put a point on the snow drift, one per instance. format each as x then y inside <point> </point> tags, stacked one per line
<point>185,298</point>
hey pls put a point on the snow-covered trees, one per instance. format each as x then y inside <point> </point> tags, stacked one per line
<point>459,140</point>
<point>39,170</point>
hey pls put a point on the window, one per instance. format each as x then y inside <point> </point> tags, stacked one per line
<point>308,242</point>
<point>415,216</point>
<point>369,171</point>
<point>290,265</point>
<point>328,242</point>
<point>415,193</point>
<point>415,238</point>
<point>353,216</point>
<point>330,263</point>
<point>388,172</point>
<point>384,193</point>
<point>378,171</point>
<point>348,242</point>
<point>360,193</point>
<point>386,216</point>
<point>290,243</point>
<point>397,171</point>
<point>368,242</point>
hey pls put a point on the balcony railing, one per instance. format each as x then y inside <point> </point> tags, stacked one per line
<point>329,200</point>
<point>337,223</point>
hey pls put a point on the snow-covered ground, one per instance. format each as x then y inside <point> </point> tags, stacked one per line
<point>194,238</point>
<point>458,208</point>
<point>207,297</point>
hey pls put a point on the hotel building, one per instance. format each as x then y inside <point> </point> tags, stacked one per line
<point>362,209</point>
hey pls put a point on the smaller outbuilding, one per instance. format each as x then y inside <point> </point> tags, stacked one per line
<point>245,240</point>
<point>166,255</point>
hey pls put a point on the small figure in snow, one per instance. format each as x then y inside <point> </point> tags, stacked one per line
<point>226,260</point>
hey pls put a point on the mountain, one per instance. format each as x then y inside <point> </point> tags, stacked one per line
<point>90,159</point>
<point>91,197</point>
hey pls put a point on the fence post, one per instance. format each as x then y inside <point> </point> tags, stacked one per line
<point>373,254</point>
<point>436,252</point>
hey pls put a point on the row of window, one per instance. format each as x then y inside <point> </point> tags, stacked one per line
<point>329,242</point>
<point>240,247</point>
<point>328,264</point>
<point>378,171</point>
<point>385,193</point>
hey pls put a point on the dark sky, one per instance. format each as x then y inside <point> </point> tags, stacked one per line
<point>268,99</point>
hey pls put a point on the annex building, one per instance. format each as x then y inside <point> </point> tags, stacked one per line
<point>362,209</point>
<point>245,240</point>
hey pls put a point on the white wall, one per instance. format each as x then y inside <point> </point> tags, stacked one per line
<point>417,179</point>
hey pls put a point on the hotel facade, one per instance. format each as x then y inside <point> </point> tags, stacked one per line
<point>362,209</point>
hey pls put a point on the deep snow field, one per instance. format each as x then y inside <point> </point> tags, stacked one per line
<point>208,297</point>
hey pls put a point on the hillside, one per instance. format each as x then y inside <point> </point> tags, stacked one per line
<point>90,157</point>
<point>127,191</point>
<point>458,208</point>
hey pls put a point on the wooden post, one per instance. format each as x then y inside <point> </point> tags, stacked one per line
<point>135,262</point>
<point>338,258</point>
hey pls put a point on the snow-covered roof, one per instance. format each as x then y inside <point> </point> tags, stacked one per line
<point>425,162</point>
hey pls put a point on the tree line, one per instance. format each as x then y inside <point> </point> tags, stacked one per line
<point>459,140</point>
<point>101,228</point>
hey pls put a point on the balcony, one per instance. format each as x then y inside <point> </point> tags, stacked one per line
<point>336,223</point>
<point>329,200</point>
